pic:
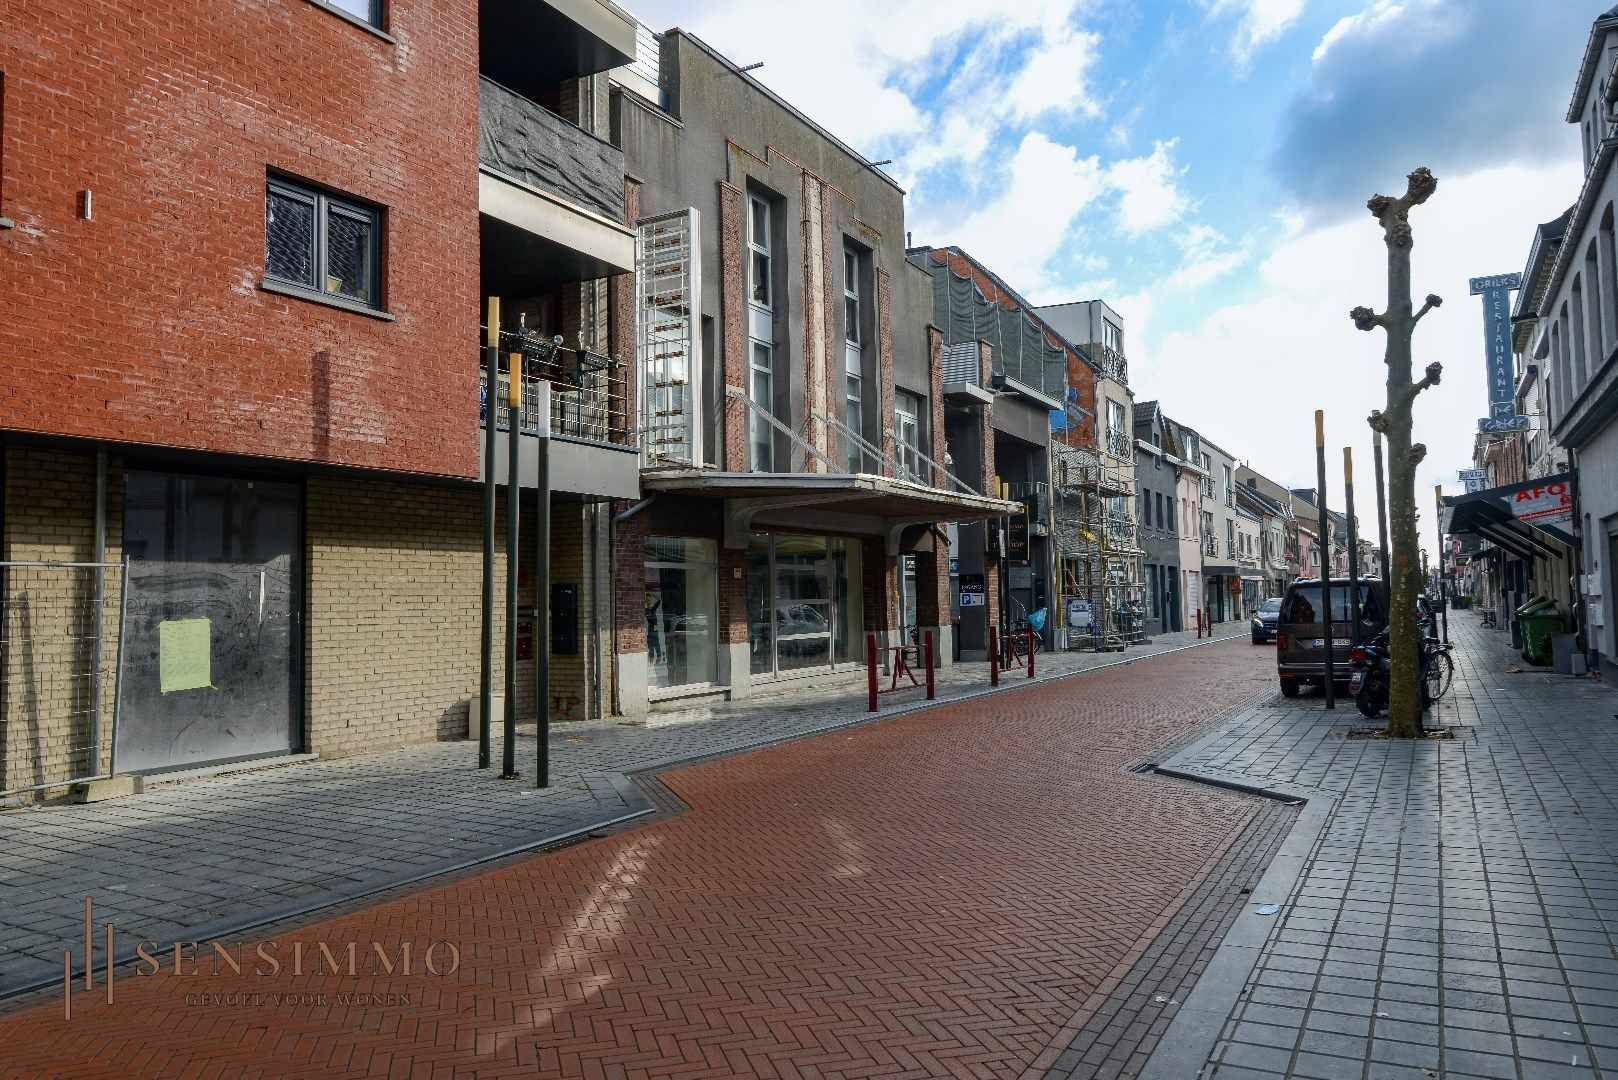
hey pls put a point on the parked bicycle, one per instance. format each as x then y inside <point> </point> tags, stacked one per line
<point>1018,640</point>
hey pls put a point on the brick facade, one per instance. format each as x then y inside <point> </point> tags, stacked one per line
<point>884,361</point>
<point>146,323</point>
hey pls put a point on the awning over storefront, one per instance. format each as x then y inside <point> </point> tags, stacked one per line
<point>1253,573</point>
<point>894,504</point>
<point>1529,521</point>
<point>1218,570</point>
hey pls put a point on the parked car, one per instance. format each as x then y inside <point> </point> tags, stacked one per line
<point>1265,620</point>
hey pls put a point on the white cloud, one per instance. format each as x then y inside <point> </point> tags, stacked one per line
<point>1207,257</point>
<point>1055,77</point>
<point>1020,230</point>
<point>1260,22</point>
<point>1251,374</point>
<point>1150,191</point>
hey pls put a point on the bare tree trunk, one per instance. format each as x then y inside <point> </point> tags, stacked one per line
<point>1399,322</point>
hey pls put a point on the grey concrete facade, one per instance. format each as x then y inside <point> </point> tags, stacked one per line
<point>1157,487</point>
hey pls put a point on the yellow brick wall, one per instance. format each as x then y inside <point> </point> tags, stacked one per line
<point>46,624</point>
<point>395,577</point>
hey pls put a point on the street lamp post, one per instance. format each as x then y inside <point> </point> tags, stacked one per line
<point>1325,555</point>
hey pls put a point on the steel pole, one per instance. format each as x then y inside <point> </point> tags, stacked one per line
<point>491,380</point>
<point>542,593</point>
<point>1325,556</point>
<point>1381,516</point>
<point>508,758</point>
<point>1353,546</point>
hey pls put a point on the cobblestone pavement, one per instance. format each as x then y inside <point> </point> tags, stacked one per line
<point>945,893</point>
<point>1456,910</point>
<point>199,859</point>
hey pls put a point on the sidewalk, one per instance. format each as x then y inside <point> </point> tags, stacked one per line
<point>1447,908</point>
<point>200,859</point>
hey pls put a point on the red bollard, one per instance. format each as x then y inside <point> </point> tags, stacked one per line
<point>1030,652</point>
<point>994,656</point>
<point>870,672</point>
<point>928,645</point>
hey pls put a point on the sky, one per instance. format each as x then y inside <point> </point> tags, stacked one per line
<point>1203,166</point>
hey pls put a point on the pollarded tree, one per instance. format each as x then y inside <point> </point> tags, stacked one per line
<point>1399,321</point>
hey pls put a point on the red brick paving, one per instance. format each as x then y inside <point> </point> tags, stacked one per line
<point>935,895</point>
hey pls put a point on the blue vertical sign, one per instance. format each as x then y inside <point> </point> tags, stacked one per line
<point>1496,292</point>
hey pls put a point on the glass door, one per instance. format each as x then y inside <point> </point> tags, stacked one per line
<point>802,603</point>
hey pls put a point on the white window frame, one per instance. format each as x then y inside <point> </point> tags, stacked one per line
<point>761,333</point>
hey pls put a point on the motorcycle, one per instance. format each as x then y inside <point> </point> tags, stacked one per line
<point>1372,665</point>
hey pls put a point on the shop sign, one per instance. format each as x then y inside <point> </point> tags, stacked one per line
<point>1080,615</point>
<point>1543,502</point>
<point>972,591</point>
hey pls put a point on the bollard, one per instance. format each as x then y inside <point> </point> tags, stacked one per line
<point>928,645</point>
<point>1030,652</point>
<point>994,656</point>
<point>870,672</point>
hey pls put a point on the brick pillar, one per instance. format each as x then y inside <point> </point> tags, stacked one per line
<point>881,600</point>
<point>884,366</point>
<point>988,485</point>
<point>630,676</point>
<point>935,400</point>
<point>733,325</point>
<point>815,351</point>
<point>932,598</point>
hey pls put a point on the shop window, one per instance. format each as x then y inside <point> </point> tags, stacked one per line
<point>804,605</point>
<point>682,610</point>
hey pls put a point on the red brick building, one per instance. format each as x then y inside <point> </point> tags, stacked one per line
<point>244,252</point>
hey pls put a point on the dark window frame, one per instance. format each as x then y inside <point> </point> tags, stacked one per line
<point>324,203</point>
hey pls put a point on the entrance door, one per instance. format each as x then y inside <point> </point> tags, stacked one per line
<point>210,639</point>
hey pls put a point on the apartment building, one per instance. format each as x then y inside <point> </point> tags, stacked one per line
<point>791,400</point>
<point>1157,483</point>
<point>243,352</point>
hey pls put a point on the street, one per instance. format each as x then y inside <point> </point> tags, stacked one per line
<point>946,893</point>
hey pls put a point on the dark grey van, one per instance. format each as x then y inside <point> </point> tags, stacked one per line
<point>1300,650</point>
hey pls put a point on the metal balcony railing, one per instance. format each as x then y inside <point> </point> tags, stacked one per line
<point>587,389</point>
<point>1112,362</point>
<point>1210,547</point>
<point>1207,488</point>
<point>1230,498</point>
<point>1119,444</point>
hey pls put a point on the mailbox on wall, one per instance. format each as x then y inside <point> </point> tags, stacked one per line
<point>564,620</point>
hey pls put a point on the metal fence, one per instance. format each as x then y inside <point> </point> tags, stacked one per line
<point>60,656</point>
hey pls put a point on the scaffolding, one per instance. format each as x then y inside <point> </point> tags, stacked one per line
<point>1097,550</point>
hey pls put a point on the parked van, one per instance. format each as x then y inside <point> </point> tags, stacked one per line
<point>1300,649</point>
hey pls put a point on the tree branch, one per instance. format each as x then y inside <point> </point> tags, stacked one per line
<point>1366,319</point>
<point>1435,372</point>
<point>1433,300</point>
<point>1378,422</point>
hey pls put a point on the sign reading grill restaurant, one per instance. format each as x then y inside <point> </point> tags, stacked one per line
<point>1496,292</point>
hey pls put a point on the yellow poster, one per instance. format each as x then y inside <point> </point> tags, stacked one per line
<point>184,654</point>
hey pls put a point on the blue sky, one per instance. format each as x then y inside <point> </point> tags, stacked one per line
<point>1203,165</point>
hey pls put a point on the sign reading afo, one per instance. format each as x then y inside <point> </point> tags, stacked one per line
<point>1543,502</point>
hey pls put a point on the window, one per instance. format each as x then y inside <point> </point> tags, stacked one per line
<point>365,10</point>
<point>761,330</point>
<point>853,359</point>
<point>804,602</point>
<point>1112,337</point>
<point>322,243</point>
<point>907,430</point>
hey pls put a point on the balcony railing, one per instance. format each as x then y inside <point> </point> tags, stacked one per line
<point>1112,362</point>
<point>1119,444</point>
<point>1210,547</point>
<point>531,144</point>
<point>1230,497</point>
<point>587,389</point>
<point>1207,488</point>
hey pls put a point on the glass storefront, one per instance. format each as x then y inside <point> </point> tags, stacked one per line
<point>803,602</point>
<point>682,610</point>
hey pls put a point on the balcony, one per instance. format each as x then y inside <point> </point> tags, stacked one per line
<point>533,45</point>
<point>1210,547</point>
<point>1120,445</point>
<point>1207,488</point>
<point>593,453</point>
<point>1111,361</point>
<point>551,197</point>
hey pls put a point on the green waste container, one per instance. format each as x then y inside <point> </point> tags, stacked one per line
<point>1539,620</point>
